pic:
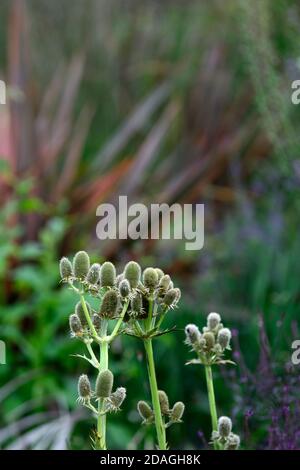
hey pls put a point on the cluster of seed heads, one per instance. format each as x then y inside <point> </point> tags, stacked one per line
<point>211,343</point>
<point>224,436</point>
<point>136,290</point>
<point>103,390</point>
<point>131,285</point>
<point>129,292</point>
<point>170,415</point>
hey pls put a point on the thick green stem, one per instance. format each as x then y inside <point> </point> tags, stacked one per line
<point>101,421</point>
<point>160,429</point>
<point>212,400</point>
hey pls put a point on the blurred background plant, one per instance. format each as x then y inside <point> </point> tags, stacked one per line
<point>166,102</point>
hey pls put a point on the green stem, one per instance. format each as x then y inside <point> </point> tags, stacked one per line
<point>162,317</point>
<point>93,357</point>
<point>160,429</point>
<point>119,323</point>
<point>88,318</point>
<point>101,420</point>
<point>212,400</point>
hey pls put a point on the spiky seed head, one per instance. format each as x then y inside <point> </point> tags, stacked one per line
<point>137,304</point>
<point>124,288</point>
<point>177,411</point>
<point>96,320</point>
<point>213,320</point>
<point>170,298</point>
<point>224,426</point>
<point>209,340</point>
<point>65,268</point>
<point>233,442</point>
<point>164,402</point>
<point>145,411</point>
<point>84,387</point>
<point>160,273</point>
<point>94,273</point>
<point>164,282</point>
<point>81,264</point>
<point>104,384</point>
<point>192,334</point>
<point>224,337</point>
<point>132,273</point>
<point>118,396</point>
<point>109,304</point>
<point>150,279</point>
<point>107,274</point>
<point>75,324</point>
<point>80,312</point>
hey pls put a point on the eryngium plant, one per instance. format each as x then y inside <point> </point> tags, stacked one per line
<point>210,346</point>
<point>96,327</point>
<point>152,296</point>
<point>140,301</point>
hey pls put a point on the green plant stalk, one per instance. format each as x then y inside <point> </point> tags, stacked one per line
<point>101,420</point>
<point>104,341</point>
<point>211,400</point>
<point>87,316</point>
<point>119,323</point>
<point>160,428</point>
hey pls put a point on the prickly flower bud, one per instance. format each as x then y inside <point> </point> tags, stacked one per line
<point>124,288</point>
<point>132,273</point>
<point>75,324</point>
<point>104,384</point>
<point>170,299</point>
<point>65,268</point>
<point>233,442</point>
<point>209,340</point>
<point>84,387</point>
<point>192,334</point>
<point>80,312</point>
<point>164,282</point>
<point>107,274</point>
<point>224,426</point>
<point>117,397</point>
<point>213,320</point>
<point>109,304</point>
<point>164,402</point>
<point>81,264</point>
<point>224,337</point>
<point>96,320</point>
<point>177,411</point>
<point>150,279</point>
<point>94,273</point>
<point>160,273</point>
<point>145,411</point>
<point>137,304</point>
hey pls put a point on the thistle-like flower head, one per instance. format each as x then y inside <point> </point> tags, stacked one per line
<point>81,264</point>
<point>94,273</point>
<point>107,274</point>
<point>65,268</point>
<point>132,273</point>
<point>84,389</point>
<point>104,383</point>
